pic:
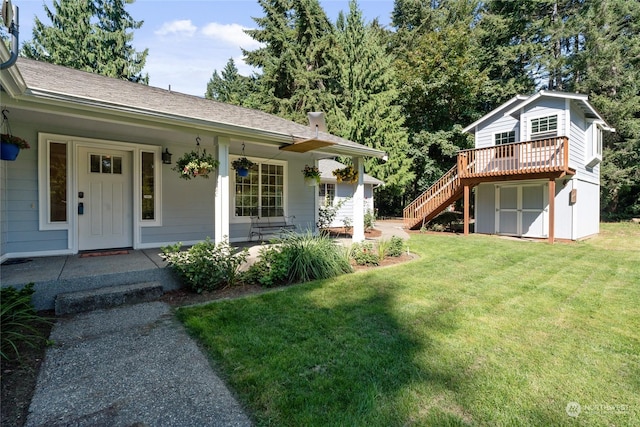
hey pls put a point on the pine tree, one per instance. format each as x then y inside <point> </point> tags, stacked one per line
<point>117,56</point>
<point>607,68</point>
<point>367,110</point>
<point>69,40</point>
<point>89,35</point>
<point>296,60</point>
<point>230,87</point>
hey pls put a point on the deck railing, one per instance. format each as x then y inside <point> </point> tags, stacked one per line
<point>530,157</point>
<point>520,160</point>
<point>436,195</point>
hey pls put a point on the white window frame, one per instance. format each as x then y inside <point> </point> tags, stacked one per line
<point>44,201</point>
<point>157,186</point>
<point>325,186</point>
<point>232,183</point>
<point>501,135</point>
<point>72,144</point>
<point>594,144</point>
<point>544,134</point>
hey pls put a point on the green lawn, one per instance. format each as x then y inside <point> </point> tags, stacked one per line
<point>477,331</point>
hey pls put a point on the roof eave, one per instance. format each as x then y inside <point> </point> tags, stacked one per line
<point>11,79</point>
<point>54,98</point>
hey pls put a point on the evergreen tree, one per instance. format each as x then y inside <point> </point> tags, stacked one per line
<point>69,40</point>
<point>607,68</point>
<point>116,54</point>
<point>89,35</point>
<point>440,80</point>
<point>367,111</point>
<point>296,60</point>
<point>230,87</point>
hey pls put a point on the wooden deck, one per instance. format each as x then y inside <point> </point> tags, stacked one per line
<point>540,159</point>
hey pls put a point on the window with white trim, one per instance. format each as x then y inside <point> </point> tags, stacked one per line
<point>505,137</point>
<point>54,184</point>
<point>544,127</point>
<point>502,138</point>
<point>326,194</point>
<point>261,193</point>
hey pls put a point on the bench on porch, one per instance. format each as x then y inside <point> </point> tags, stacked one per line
<point>270,225</point>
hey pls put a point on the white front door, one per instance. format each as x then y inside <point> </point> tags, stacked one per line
<point>521,210</point>
<point>105,202</point>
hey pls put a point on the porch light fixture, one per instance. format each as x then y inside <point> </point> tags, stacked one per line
<point>166,157</point>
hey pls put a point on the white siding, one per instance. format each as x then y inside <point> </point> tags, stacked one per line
<point>578,141</point>
<point>564,210</point>
<point>588,209</point>
<point>541,108</point>
<point>485,133</point>
<point>345,192</point>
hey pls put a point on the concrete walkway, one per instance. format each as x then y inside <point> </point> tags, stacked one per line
<point>133,365</point>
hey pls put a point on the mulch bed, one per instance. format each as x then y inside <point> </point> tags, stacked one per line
<point>18,378</point>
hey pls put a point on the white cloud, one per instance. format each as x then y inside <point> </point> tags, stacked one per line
<point>182,27</point>
<point>232,34</point>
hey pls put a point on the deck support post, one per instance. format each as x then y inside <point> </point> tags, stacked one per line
<point>552,209</point>
<point>466,209</point>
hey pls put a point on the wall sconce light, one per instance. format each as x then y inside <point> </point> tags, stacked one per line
<point>166,157</point>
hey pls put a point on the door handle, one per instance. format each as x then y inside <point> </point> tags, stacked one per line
<point>80,208</point>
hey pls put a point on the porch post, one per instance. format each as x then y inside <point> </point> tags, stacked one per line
<point>358,202</point>
<point>552,209</point>
<point>221,211</point>
<point>466,209</point>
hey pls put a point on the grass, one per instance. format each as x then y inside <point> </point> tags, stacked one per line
<point>477,331</point>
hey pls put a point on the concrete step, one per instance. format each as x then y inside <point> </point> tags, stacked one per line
<point>107,297</point>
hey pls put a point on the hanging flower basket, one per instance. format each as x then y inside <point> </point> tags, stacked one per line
<point>10,146</point>
<point>348,174</point>
<point>242,166</point>
<point>311,175</point>
<point>195,164</point>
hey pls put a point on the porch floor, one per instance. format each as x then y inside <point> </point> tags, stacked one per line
<point>69,273</point>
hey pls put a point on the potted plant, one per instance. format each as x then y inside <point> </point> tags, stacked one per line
<point>311,175</point>
<point>242,166</point>
<point>195,164</point>
<point>347,174</point>
<point>11,146</point>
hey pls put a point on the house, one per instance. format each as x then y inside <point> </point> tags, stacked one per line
<point>98,176</point>
<point>330,191</point>
<point>535,170</point>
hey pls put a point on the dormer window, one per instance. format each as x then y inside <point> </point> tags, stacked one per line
<point>544,127</point>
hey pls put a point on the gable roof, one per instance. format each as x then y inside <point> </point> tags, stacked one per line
<point>46,83</point>
<point>327,166</point>
<point>515,104</point>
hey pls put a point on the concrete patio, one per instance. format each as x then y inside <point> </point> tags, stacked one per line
<point>59,274</point>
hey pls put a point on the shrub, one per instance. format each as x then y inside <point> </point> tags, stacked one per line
<point>396,246</point>
<point>298,258</point>
<point>327,213</point>
<point>19,320</point>
<point>206,266</point>
<point>363,254</point>
<point>383,248</point>
<point>369,220</point>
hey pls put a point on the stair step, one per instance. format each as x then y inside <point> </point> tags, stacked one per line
<point>108,297</point>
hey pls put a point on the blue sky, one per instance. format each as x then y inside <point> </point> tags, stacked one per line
<point>187,40</point>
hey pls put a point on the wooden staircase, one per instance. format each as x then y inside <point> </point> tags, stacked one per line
<point>434,200</point>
